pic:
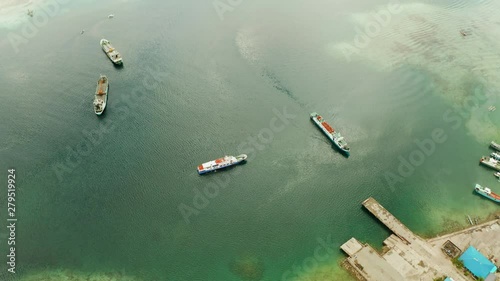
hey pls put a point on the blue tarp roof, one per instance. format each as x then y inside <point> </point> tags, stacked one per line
<point>476,263</point>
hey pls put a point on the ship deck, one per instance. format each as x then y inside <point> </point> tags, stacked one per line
<point>102,88</point>
<point>495,196</point>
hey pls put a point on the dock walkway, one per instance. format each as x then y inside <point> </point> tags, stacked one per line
<point>408,256</point>
<point>384,216</point>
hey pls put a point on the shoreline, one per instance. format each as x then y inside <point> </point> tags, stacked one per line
<point>408,256</point>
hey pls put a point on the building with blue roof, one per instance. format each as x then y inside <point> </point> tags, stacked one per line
<point>478,264</point>
<point>449,279</point>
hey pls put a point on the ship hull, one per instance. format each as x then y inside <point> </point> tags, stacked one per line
<point>332,139</point>
<point>343,151</point>
<point>206,171</point>
<point>111,53</point>
<point>101,95</point>
<point>495,146</point>
<point>487,196</point>
<point>479,190</point>
<point>221,163</point>
<point>489,162</point>
<point>99,113</point>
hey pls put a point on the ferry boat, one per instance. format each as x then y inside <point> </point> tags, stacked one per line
<point>495,156</point>
<point>495,145</point>
<point>221,163</point>
<point>101,95</point>
<point>490,162</point>
<point>486,192</point>
<point>110,51</point>
<point>335,137</point>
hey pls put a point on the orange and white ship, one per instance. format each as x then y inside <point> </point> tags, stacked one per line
<point>101,95</point>
<point>335,137</point>
<point>486,192</point>
<point>221,163</point>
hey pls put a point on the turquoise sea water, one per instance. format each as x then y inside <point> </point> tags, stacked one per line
<point>196,86</point>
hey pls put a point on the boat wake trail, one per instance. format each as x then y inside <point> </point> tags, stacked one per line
<point>251,50</point>
<point>276,83</point>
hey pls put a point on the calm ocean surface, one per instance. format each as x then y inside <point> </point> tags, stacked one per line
<point>103,197</point>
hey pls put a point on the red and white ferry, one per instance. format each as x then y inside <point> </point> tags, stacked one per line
<point>221,163</point>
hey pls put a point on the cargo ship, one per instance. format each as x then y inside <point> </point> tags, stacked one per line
<point>495,145</point>
<point>101,95</point>
<point>221,163</point>
<point>486,192</point>
<point>335,137</point>
<point>110,51</point>
<point>490,162</point>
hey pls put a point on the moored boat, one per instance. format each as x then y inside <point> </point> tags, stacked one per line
<point>335,137</point>
<point>490,162</point>
<point>497,174</point>
<point>486,192</point>
<point>101,95</point>
<point>495,156</point>
<point>495,145</point>
<point>110,51</point>
<point>221,163</point>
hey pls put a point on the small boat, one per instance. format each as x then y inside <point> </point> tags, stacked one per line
<point>486,192</point>
<point>495,145</point>
<point>497,174</point>
<point>490,162</point>
<point>495,156</point>
<point>112,54</point>
<point>335,137</point>
<point>221,163</point>
<point>101,95</point>
<point>492,108</point>
<point>111,16</point>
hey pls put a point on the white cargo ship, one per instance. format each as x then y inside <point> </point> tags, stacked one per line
<point>110,51</point>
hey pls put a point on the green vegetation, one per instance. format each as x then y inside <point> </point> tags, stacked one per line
<point>439,279</point>
<point>458,263</point>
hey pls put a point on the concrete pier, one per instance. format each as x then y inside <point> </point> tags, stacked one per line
<point>410,257</point>
<point>378,269</point>
<point>389,220</point>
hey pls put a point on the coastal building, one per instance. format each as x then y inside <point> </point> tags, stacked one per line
<point>478,264</point>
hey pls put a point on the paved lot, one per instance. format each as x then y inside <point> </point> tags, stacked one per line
<point>409,257</point>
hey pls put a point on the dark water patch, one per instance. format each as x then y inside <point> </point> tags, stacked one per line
<point>248,268</point>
